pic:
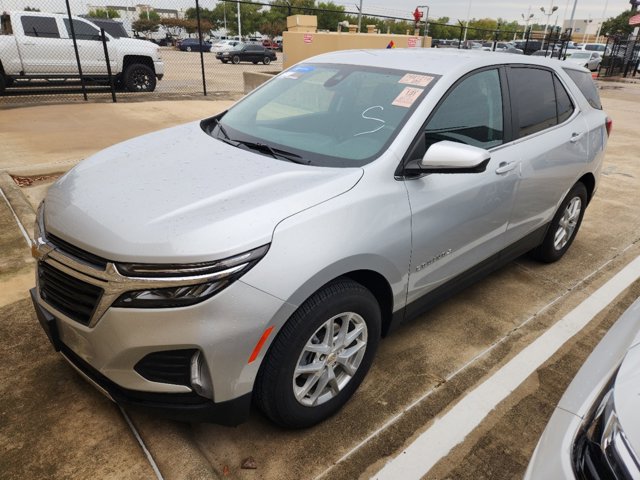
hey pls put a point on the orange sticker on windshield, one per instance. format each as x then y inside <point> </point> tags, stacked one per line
<point>416,80</point>
<point>407,97</point>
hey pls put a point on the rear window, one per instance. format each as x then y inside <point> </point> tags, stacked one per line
<point>586,85</point>
<point>44,27</point>
<point>534,97</point>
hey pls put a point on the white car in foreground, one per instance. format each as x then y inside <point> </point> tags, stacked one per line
<point>594,432</point>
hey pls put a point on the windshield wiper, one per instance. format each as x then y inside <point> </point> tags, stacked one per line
<point>222,129</point>
<point>274,152</point>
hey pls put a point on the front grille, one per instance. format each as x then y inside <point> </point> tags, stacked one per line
<point>169,366</point>
<point>77,253</point>
<point>73,297</point>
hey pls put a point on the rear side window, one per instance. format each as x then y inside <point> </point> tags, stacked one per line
<point>44,27</point>
<point>534,99</point>
<point>585,84</point>
<point>564,104</point>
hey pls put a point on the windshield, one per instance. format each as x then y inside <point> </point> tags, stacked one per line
<point>329,115</point>
<point>594,47</point>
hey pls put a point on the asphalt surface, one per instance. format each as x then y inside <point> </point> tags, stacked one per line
<point>420,371</point>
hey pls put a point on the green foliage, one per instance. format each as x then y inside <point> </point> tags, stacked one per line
<point>330,20</point>
<point>31,9</point>
<point>145,26</point>
<point>104,13</point>
<point>618,25</point>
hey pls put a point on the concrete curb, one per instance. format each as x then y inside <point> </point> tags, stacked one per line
<point>43,168</point>
<point>18,201</point>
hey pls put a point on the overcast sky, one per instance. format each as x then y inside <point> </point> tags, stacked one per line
<point>454,9</point>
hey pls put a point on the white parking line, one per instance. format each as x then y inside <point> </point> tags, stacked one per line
<point>146,451</point>
<point>451,429</point>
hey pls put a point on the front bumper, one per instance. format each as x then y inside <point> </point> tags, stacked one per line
<point>186,406</point>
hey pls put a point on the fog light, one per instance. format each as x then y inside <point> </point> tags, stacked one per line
<point>200,377</point>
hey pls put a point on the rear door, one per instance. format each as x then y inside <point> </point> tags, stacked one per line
<point>40,44</point>
<point>552,143</point>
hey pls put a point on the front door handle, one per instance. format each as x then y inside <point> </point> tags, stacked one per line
<point>575,136</point>
<point>505,167</point>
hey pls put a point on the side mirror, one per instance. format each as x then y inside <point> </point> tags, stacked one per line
<point>450,157</point>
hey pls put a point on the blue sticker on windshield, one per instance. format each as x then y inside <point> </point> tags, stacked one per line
<point>303,68</point>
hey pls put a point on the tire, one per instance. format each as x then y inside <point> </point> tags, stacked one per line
<point>235,60</point>
<point>564,226</point>
<point>139,78</point>
<point>188,49</point>
<point>295,399</point>
<point>255,62</point>
<point>223,61</point>
<point>3,83</point>
<point>266,60</point>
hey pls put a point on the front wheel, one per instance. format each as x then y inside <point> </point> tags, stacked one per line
<point>320,356</point>
<point>564,226</point>
<point>139,78</point>
<point>266,60</point>
<point>235,59</point>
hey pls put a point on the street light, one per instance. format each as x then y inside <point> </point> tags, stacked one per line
<point>526,19</point>
<point>552,10</point>
<point>466,26</point>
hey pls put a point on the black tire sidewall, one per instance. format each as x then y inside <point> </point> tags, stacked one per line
<point>547,252</point>
<point>129,82</point>
<point>291,413</point>
<point>266,60</point>
<point>235,60</point>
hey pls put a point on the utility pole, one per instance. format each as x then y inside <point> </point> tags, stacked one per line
<point>360,17</point>
<point>239,27</point>
<point>466,25</point>
<point>604,15</point>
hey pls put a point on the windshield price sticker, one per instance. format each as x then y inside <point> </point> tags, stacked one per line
<point>407,97</point>
<point>292,75</point>
<point>417,80</point>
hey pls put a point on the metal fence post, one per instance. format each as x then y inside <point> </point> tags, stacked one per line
<point>75,48</point>
<point>106,57</point>
<point>204,81</point>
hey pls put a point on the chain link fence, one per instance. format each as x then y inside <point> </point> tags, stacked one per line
<point>125,52</point>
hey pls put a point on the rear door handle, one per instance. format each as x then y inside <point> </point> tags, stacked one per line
<point>505,167</point>
<point>575,136</point>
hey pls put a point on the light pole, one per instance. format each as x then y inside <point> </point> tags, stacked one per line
<point>604,15</point>
<point>526,19</point>
<point>360,17</point>
<point>466,25</point>
<point>239,27</point>
<point>552,10</point>
<point>426,20</point>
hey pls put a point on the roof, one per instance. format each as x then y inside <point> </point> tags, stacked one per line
<point>429,60</point>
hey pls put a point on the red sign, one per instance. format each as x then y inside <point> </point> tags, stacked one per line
<point>308,38</point>
<point>417,15</point>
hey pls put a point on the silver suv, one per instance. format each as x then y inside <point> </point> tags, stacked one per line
<point>262,253</point>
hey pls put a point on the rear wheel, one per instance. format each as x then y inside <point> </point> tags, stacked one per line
<point>320,356</point>
<point>266,60</point>
<point>255,62</point>
<point>188,49</point>
<point>236,59</point>
<point>564,226</point>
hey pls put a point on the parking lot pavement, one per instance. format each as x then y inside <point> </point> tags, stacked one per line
<point>428,364</point>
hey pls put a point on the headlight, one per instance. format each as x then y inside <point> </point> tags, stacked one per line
<point>208,279</point>
<point>602,449</point>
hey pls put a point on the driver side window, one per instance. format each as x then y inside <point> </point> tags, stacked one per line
<point>470,114</point>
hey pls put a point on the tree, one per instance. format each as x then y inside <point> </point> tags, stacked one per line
<point>618,25</point>
<point>31,9</point>
<point>329,20</point>
<point>104,13</point>
<point>145,26</point>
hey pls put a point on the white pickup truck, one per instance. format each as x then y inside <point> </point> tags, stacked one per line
<point>39,46</point>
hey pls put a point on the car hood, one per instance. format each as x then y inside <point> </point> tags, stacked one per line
<point>626,394</point>
<point>179,195</point>
<point>136,44</point>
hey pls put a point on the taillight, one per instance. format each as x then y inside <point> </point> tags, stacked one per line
<point>609,125</point>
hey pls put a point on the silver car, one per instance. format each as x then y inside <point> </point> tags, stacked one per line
<point>594,431</point>
<point>589,60</point>
<point>260,254</point>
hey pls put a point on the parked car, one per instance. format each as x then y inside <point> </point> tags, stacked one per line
<point>590,60</point>
<point>594,430</point>
<point>260,254</point>
<point>247,53</point>
<point>596,47</point>
<point>225,45</point>
<point>271,45</point>
<point>194,45</point>
<point>528,47</point>
<point>36,46</point>
<point>488,46</point>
